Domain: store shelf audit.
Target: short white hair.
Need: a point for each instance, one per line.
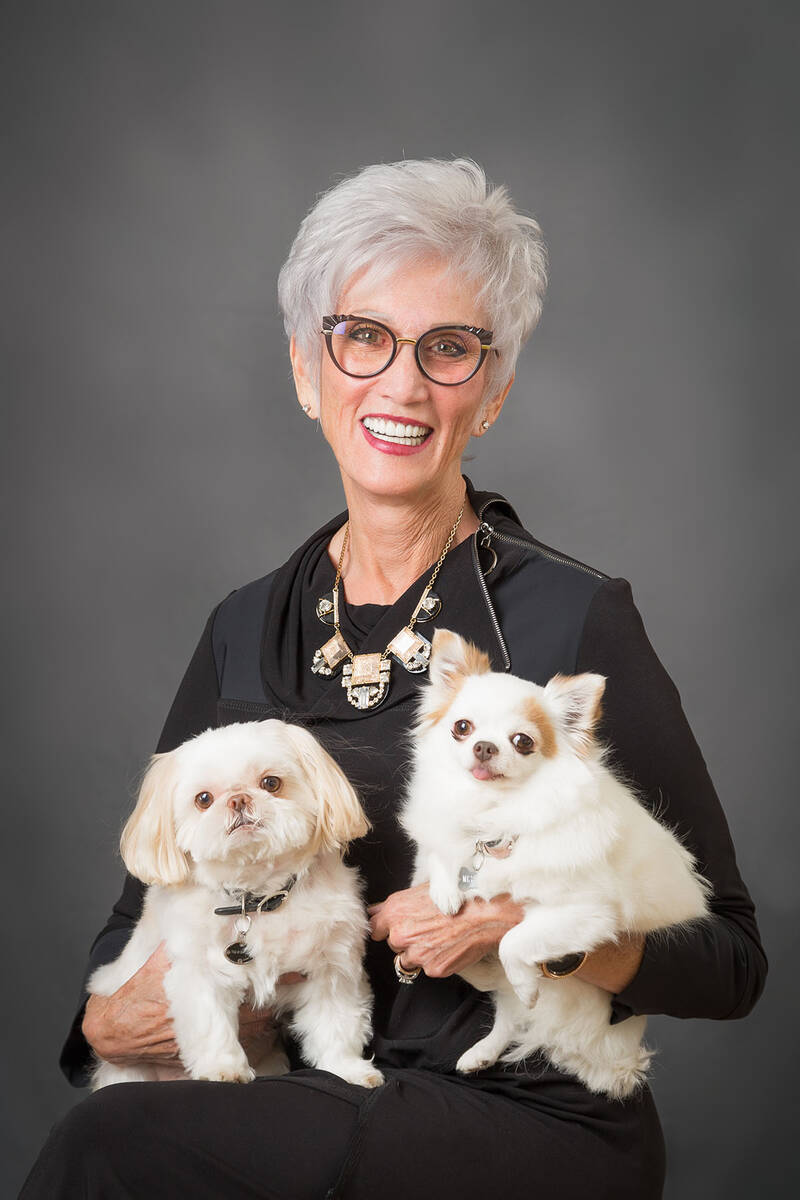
(392, 214)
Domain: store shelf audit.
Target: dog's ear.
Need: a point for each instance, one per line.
(575, 701)
(340, 817)
(148, 844)
(453, 659)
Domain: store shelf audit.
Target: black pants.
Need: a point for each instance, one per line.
(309, 1135)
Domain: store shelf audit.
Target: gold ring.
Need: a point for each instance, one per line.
(405, 974)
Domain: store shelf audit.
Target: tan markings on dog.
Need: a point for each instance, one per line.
(476, 661)
(434, 715)
(537, 716)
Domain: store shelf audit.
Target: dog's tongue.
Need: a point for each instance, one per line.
(482, 773)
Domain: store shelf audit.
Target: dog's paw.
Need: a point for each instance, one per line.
(447, 899)
(526, 985)
(361, 1072)
(477, 1058)
(225, 1069)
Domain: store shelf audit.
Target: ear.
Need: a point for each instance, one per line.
(340, 817)
(148, 845)
(453, 659)
(307, 396)
(493, 406)
(575, 703)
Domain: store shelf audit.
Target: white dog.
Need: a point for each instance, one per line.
(510, 793)
(240, 833)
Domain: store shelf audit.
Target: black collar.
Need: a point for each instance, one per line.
(249, 902)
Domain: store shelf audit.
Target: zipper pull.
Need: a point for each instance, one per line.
(486, 544)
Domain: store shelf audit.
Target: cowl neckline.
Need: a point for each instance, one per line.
(293, 632)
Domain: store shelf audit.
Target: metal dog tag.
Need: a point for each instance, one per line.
(237, 952)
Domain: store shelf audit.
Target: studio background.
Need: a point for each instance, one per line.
(158, 160)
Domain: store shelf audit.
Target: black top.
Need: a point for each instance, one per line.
(536, 613)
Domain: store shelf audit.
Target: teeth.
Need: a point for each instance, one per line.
(411, 435)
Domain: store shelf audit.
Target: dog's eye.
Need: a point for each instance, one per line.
(270, 783)
(523, 744)
(462, 729)
(204, 800)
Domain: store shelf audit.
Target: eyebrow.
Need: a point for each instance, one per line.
(376, 316)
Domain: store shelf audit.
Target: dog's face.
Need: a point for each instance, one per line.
(499, 729)
(240, 794)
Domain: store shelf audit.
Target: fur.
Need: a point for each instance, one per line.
(589, 862)
(280, 806)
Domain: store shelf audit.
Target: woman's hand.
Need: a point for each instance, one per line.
(424, 937)
(134, 1026)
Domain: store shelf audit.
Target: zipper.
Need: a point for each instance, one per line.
(489, 532)
(487, 599)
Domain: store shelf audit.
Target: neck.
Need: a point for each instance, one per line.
(394, 539)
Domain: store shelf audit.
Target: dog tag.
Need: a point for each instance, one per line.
(466, 879)
(237, 952)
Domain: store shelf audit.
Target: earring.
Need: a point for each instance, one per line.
(307, 409)
(484, 425)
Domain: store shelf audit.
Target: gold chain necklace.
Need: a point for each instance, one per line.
(366, 677)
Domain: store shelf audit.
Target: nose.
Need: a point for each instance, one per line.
(237, 803)
(484, 751)
(403, 380)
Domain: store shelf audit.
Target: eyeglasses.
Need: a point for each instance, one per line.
(446, 354)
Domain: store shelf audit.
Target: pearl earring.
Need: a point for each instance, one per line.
(484, 425)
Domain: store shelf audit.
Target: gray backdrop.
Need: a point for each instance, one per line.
(157, 161)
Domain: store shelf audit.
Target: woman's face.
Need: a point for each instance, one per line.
(410, 302)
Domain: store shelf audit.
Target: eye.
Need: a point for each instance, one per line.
(367, 335)
(447, 345)
(462, 729)
(203, 800)
(523, 744)
(270, 783)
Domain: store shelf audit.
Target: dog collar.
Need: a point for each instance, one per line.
(249, 902)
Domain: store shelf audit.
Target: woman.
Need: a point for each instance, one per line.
(407, 295)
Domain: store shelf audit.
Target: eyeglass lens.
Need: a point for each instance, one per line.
(362, 347)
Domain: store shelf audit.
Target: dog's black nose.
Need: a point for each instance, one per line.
(484, 750)
(237, 803)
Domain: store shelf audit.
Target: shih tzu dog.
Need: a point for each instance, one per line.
(510, 792)
(240, 834)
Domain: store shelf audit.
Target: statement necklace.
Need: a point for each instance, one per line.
(366, 677)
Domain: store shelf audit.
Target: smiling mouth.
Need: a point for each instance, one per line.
(396, 432)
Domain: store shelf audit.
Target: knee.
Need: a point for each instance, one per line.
(80, 1147)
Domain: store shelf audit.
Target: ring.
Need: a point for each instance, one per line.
(405, 975)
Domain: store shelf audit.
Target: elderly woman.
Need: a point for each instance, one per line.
(407, 294)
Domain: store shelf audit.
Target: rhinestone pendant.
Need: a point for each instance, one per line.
(366, 679)
(328, 657)
(411, 649)
(325, 610)
(429, 608)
